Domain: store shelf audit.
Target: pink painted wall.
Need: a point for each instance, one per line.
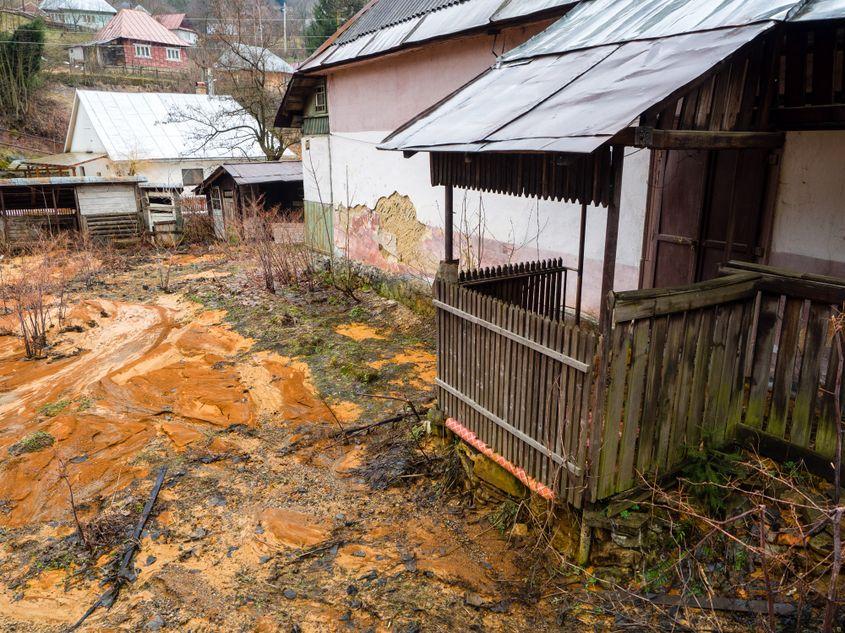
(385, 92)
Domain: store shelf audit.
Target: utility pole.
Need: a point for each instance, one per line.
(285, 26)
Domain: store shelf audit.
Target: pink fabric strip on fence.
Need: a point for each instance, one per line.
(470, 438)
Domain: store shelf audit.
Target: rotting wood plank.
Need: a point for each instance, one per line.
(680, 432)
(825, 443)
(808, 381)
(703, 349)
(613, 417)
(758, 394)
(633, 404)
(668, 391)
(717, 359)
(785, 367)
(649, 428)
(732, 364)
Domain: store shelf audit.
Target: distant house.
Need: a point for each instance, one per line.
(134, 39)
(84, 14)
(276, 186)
(175, 23)
(245, 58)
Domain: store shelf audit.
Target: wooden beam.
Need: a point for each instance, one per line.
(827, 117)
(611, 232)
(697, 139)
(581, 239)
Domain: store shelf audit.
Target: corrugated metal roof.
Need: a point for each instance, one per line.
(69, 180)
(245, 57)
(167, 126)
(600, 22)
(92, 6)
(137, 25)
(255, 172)
(593, 73)
(391, 24)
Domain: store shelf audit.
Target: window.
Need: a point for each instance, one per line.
(143, 50)
(173, 55)
(320, 106)
(191, 176)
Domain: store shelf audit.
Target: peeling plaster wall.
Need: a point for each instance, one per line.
(809, 223)
(395, 219)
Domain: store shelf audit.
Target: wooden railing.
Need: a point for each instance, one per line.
(539, 287)
(519, 379)
(699, 365)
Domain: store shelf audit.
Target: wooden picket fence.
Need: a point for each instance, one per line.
(703, 365)
(519, 380)
(590, 415)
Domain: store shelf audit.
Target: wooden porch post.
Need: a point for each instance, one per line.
(611, 234)
(581, 239)
(449, 206)
(449, 266)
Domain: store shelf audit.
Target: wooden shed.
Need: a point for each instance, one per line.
(275, 186)
(104, 208)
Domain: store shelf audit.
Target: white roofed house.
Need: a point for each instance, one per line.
(243, 58)
(173, 140)
(83, 14)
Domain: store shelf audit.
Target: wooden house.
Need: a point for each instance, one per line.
(719, 332)
(275, 186)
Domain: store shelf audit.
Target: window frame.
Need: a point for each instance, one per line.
(173, 50)
(141, 47)
(321, 99)
(197, 172)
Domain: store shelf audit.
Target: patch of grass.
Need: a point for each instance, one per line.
(32, 443)
(52, 409)
(84, 403)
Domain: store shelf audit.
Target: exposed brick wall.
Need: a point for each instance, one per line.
(158, 59)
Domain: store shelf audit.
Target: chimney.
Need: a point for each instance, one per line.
(202, 88)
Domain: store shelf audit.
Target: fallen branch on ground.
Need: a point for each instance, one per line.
(123, 575)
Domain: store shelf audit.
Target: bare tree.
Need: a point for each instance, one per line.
(238, 55)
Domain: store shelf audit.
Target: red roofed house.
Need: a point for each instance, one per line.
(176, 24)
(134, 38)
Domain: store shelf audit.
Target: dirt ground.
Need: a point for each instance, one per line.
(268, 519)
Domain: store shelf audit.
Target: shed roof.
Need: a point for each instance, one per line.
(245, 57)
(590, 75)
(132, 24)
(255, 173)
(65, 159)
(166, 126)
(388, 25)
(90, 6)
(69, 180)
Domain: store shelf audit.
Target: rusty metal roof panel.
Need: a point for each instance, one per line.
(600, 22)
(572, 102)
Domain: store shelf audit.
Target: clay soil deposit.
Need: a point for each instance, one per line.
(268, 520)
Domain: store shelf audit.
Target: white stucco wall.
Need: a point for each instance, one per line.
(361, 175)
(809, 222)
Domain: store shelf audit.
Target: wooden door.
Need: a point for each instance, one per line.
(217, 213)
(705, 208)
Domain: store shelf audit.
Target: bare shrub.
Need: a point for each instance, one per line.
(197, 228)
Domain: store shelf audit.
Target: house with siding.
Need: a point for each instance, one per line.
(410, 55)
(89, 15)
(133, 38)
